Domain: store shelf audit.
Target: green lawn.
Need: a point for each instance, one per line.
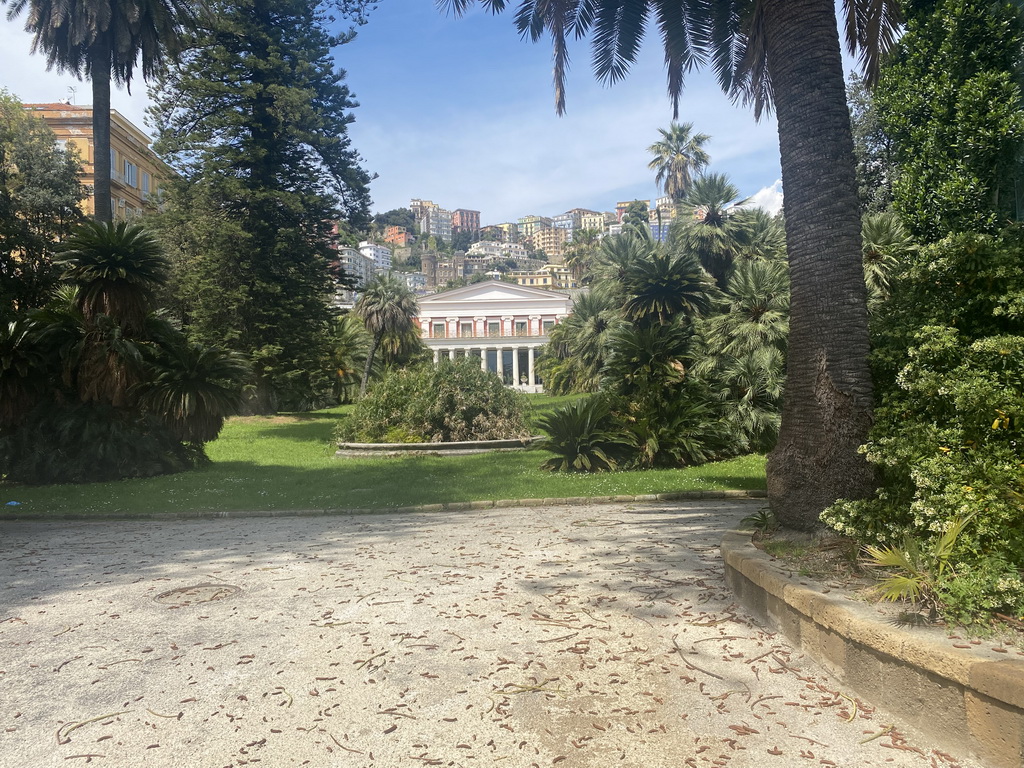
(287, 462)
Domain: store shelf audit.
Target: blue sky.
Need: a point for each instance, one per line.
(461, 111)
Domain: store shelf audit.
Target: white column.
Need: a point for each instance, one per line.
(515, 366)
(426, 326)
(530, 373)
(506, 325)
(501, 363)
(437, 355)
(451, 353)
(535, 327)
(483, 359)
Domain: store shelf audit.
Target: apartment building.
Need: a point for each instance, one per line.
(397, 236)
(136, 173)
(552, 241)
(379, 254)
(527, 225)
(598, 222)
(552, 277)
(464, 220)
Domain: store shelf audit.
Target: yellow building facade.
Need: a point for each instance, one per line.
(136, 173)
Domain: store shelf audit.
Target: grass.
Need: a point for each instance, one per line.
(287, 462)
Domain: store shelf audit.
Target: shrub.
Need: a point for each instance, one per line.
(85, 443)
(584, 438)
(947, 438)
(450, 401)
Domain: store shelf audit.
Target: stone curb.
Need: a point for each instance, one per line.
(964, 698)
(457, 506)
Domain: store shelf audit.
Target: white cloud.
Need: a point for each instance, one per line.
(769, 198)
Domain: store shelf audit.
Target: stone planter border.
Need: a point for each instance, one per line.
(964, 698)
(460, 448)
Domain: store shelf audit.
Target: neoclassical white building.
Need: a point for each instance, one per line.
(502, 324)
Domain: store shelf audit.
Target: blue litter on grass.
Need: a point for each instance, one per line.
(13, 504)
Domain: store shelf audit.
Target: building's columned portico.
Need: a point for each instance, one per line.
(501, 324)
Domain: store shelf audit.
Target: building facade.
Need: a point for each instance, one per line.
(397, 236)
(465, 221)
(500, 324)
(380, 255)
(136, 173)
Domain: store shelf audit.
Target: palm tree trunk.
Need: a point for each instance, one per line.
(828, 401)
(374, 343)
(99, 55)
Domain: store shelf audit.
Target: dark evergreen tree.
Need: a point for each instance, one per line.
(255, 118)
(39, 195)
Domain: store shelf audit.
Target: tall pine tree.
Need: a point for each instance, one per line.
(254, 117)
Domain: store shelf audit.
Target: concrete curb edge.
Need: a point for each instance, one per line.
(457, 506)
(964, 699)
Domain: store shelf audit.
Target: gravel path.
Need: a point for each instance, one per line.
(548, 636)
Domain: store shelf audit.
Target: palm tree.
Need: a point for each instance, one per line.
(886, 239)
(574, 356)
(117, 269)
(712, 225)
(103, 40)
(678, 157)
(387, 307)
(664, 286)
(191, 387)
(579, 254)
(781, 54)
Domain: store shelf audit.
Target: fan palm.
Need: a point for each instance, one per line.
(781, 54)
(103, 40)
(678, 157)
(712, 225)
(192, 388)
(117, 268)
(886, 239)
(574, 356)
(386, 307)
(663, 286)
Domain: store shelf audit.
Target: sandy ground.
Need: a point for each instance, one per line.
(556, 636)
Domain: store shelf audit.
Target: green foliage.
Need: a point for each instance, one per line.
(254, 118)
(917, 572)
(584, 437)
(450, 401)
(191, 388)
(678, 157)
(90, 391)
(947, 438)
(39, 196)
(387, 307)
(950, 102)
(872, 148)
(762, 521)
(86, 443)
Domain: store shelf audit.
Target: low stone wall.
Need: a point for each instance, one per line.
(962, 697)
(455, 448)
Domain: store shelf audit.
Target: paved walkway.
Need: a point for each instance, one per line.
(553, 636)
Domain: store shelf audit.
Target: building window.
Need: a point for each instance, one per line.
(520, 328)
(548, 325)
(131, 174)
(494, 329)
(146, 182)
(439, 331)
(467, 330)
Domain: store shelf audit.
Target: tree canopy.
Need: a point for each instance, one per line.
(255, 117)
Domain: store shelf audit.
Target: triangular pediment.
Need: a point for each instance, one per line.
(495, 297)
(494, 290)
